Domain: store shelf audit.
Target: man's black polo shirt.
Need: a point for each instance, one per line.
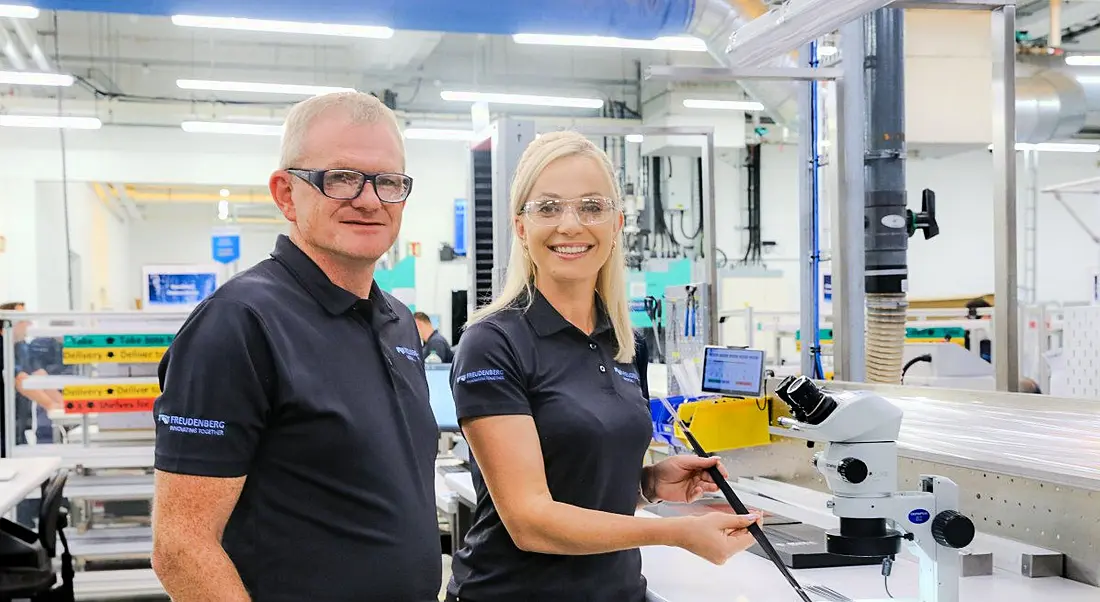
(319, 397)
(594, 427)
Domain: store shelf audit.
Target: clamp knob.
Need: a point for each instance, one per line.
(952, 529)
(852, 470)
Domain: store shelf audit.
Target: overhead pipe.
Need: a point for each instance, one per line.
(714, 22)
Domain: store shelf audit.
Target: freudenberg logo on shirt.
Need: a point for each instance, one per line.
(480, 376)
(410, 354)
(631, 377)
(192, 426)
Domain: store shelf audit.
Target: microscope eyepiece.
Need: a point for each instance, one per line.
(808, 403)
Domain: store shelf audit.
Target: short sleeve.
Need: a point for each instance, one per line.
(486, 376)
(216, 381)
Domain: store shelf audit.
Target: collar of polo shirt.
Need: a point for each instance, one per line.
(547, 321)
(334, 299)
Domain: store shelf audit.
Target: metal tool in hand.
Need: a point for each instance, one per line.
(735, 503)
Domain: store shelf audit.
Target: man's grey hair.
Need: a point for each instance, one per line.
(359, 108)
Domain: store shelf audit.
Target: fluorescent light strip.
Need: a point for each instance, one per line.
(522, 99)
(16, 11)
(28, 78)
(438, 134)
(50, 121)
(228, 127)
(1083, 60)
(635, 138)
(682, 43)
(1057, 147)
(322, 29)
(258, 87)
(724, 105)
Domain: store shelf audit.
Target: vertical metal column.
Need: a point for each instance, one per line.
(1006, 327)
(807, 303)
(710, 242)
(848, 248)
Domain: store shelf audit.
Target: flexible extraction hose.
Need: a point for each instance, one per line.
(885, 337)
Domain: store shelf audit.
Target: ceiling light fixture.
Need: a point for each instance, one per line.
(322, 29)
(50, 121)
(635, 138)
(723, 105)
(1057, 147)
(1083, 60)
(438, 134)
(16, 11)
(229, 127)
(29, 78)
(682, 43)
(258, 87)
(522, 99)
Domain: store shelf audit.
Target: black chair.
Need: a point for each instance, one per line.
(26, 557)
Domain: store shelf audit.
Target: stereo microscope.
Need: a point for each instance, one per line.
(859, 462)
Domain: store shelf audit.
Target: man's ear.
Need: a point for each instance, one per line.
(280, 187)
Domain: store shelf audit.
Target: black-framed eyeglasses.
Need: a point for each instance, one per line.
(347, 184)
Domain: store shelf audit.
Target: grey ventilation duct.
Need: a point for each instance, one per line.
(1053, 105)
(713, 21)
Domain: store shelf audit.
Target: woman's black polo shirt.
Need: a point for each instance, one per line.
(594, 427)
(320, 398)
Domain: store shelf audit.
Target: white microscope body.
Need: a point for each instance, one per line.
(859, 463)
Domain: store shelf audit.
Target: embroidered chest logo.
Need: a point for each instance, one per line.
(410, 354)
(631, 377)
(480, 376)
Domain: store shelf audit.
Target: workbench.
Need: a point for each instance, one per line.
(30, 474)
(675, 575)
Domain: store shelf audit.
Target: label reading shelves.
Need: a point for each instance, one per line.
(84, 399)
(119, 355)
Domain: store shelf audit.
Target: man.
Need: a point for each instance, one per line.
(31, 405)
(295, 443)
(431, 341)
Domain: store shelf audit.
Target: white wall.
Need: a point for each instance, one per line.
(958, 263)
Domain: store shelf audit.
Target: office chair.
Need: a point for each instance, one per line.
(26, 557)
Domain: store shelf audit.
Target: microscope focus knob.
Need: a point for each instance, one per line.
(852, 470)
(952, 529)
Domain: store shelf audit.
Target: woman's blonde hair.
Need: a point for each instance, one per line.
(611, 281)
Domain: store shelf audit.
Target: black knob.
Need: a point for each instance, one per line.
(952, 529)
(852, 470)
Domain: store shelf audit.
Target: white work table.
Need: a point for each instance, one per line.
(30, 473)
(675, 575)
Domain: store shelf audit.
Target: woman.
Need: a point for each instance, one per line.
(550, 404)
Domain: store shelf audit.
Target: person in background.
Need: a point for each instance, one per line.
(550, 402)
(974, 305)
(431, 340)
(32, 406)
(295, 446)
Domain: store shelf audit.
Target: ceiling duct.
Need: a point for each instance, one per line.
(714, 21)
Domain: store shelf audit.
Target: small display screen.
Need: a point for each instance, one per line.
(738, 372)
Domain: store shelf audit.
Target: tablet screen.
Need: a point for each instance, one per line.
(737, 372)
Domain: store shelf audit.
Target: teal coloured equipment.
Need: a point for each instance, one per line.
(659, 275)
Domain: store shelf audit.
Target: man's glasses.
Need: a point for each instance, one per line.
(347, 184)
(589, 211)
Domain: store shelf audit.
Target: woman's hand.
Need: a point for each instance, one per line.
(716, 536)
(680, 478)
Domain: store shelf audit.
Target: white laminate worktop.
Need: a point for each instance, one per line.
(30, 473)
(675, 575)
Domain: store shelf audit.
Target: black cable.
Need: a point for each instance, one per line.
(920, 358)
